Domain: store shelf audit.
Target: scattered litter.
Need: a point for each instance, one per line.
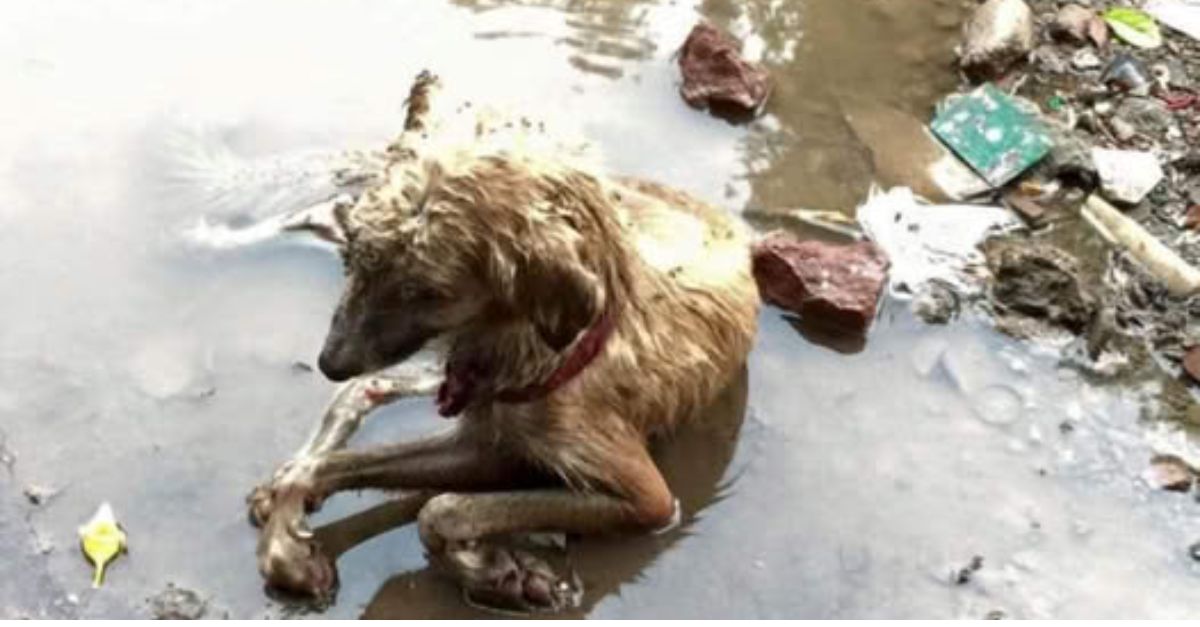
(1027, 208)
(1127, 74)
(102, 539)
(38, 494)
(1179, 101)
(931, 242)
(1085, 59)
(963, 576)
(831, 221)
(1180, 278)
(830, 285)
(716, 76)
(1126, 176)
(177, 604)
(990, 132)
(1169, 472)
(1134, 26)
(1194, 551)
(1182, 15)
(1191, 219)
(1191, 363)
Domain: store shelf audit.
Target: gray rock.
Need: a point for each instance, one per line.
(1149, 115)
(1122, 130)
(1070, 158)
(1048, 59)
(998, 35)
(1086, 60)
(1035, 287)
(1071, 24)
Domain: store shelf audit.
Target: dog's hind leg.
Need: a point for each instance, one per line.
(348, 409)
(459, 530)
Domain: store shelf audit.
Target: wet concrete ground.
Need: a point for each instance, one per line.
(161, 378)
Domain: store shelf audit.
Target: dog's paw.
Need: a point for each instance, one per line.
(291, 561)
(293, 480)
(505, 580)
(259, 504)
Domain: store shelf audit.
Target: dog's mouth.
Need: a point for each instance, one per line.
(338, 363)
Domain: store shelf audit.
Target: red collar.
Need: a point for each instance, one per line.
(463, 376)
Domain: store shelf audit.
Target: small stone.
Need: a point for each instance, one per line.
(1098, 31)
(1038, 283)
(1071, 24)
(1048, 59)
(832, 285)
(963, 576)
(1191, 219)
(716, 76)
(1149, 115)
(1085, 59)
(1191, 363)
(936, 303)
(1169, 472)
(1122, 130)
(177, 604)
(1194, 551)
(998, 35)
(1027, 208)
(1125, 73)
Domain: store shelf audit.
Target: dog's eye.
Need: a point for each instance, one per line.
(415, 293)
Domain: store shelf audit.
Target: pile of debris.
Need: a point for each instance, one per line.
(1083, 117)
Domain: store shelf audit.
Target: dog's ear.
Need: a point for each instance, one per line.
(560, 297)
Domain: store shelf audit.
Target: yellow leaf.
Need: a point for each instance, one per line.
(101, 540)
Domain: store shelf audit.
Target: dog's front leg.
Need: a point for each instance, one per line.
(288, 554)
(350, 406)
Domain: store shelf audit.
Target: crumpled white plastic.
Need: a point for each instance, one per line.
(926, 243)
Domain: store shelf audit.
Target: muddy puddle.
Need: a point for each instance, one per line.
(865, 481)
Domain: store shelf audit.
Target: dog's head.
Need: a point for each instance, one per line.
(430, 253)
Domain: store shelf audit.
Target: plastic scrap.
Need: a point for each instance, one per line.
(1127, 176)
(1181, 278)
(990, 132)
(1182, 15)
(1134, 26)
(927, 243)
(102, 539)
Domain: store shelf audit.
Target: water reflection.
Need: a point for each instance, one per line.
(602, 36)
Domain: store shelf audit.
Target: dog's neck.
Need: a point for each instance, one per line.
(472, 378)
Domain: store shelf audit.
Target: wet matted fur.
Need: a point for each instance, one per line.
(510, 261)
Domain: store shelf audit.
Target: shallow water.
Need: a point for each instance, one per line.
(161, 378)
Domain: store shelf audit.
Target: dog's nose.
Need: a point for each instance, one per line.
(333, 369)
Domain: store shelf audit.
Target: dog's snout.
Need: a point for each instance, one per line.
(333, 368)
